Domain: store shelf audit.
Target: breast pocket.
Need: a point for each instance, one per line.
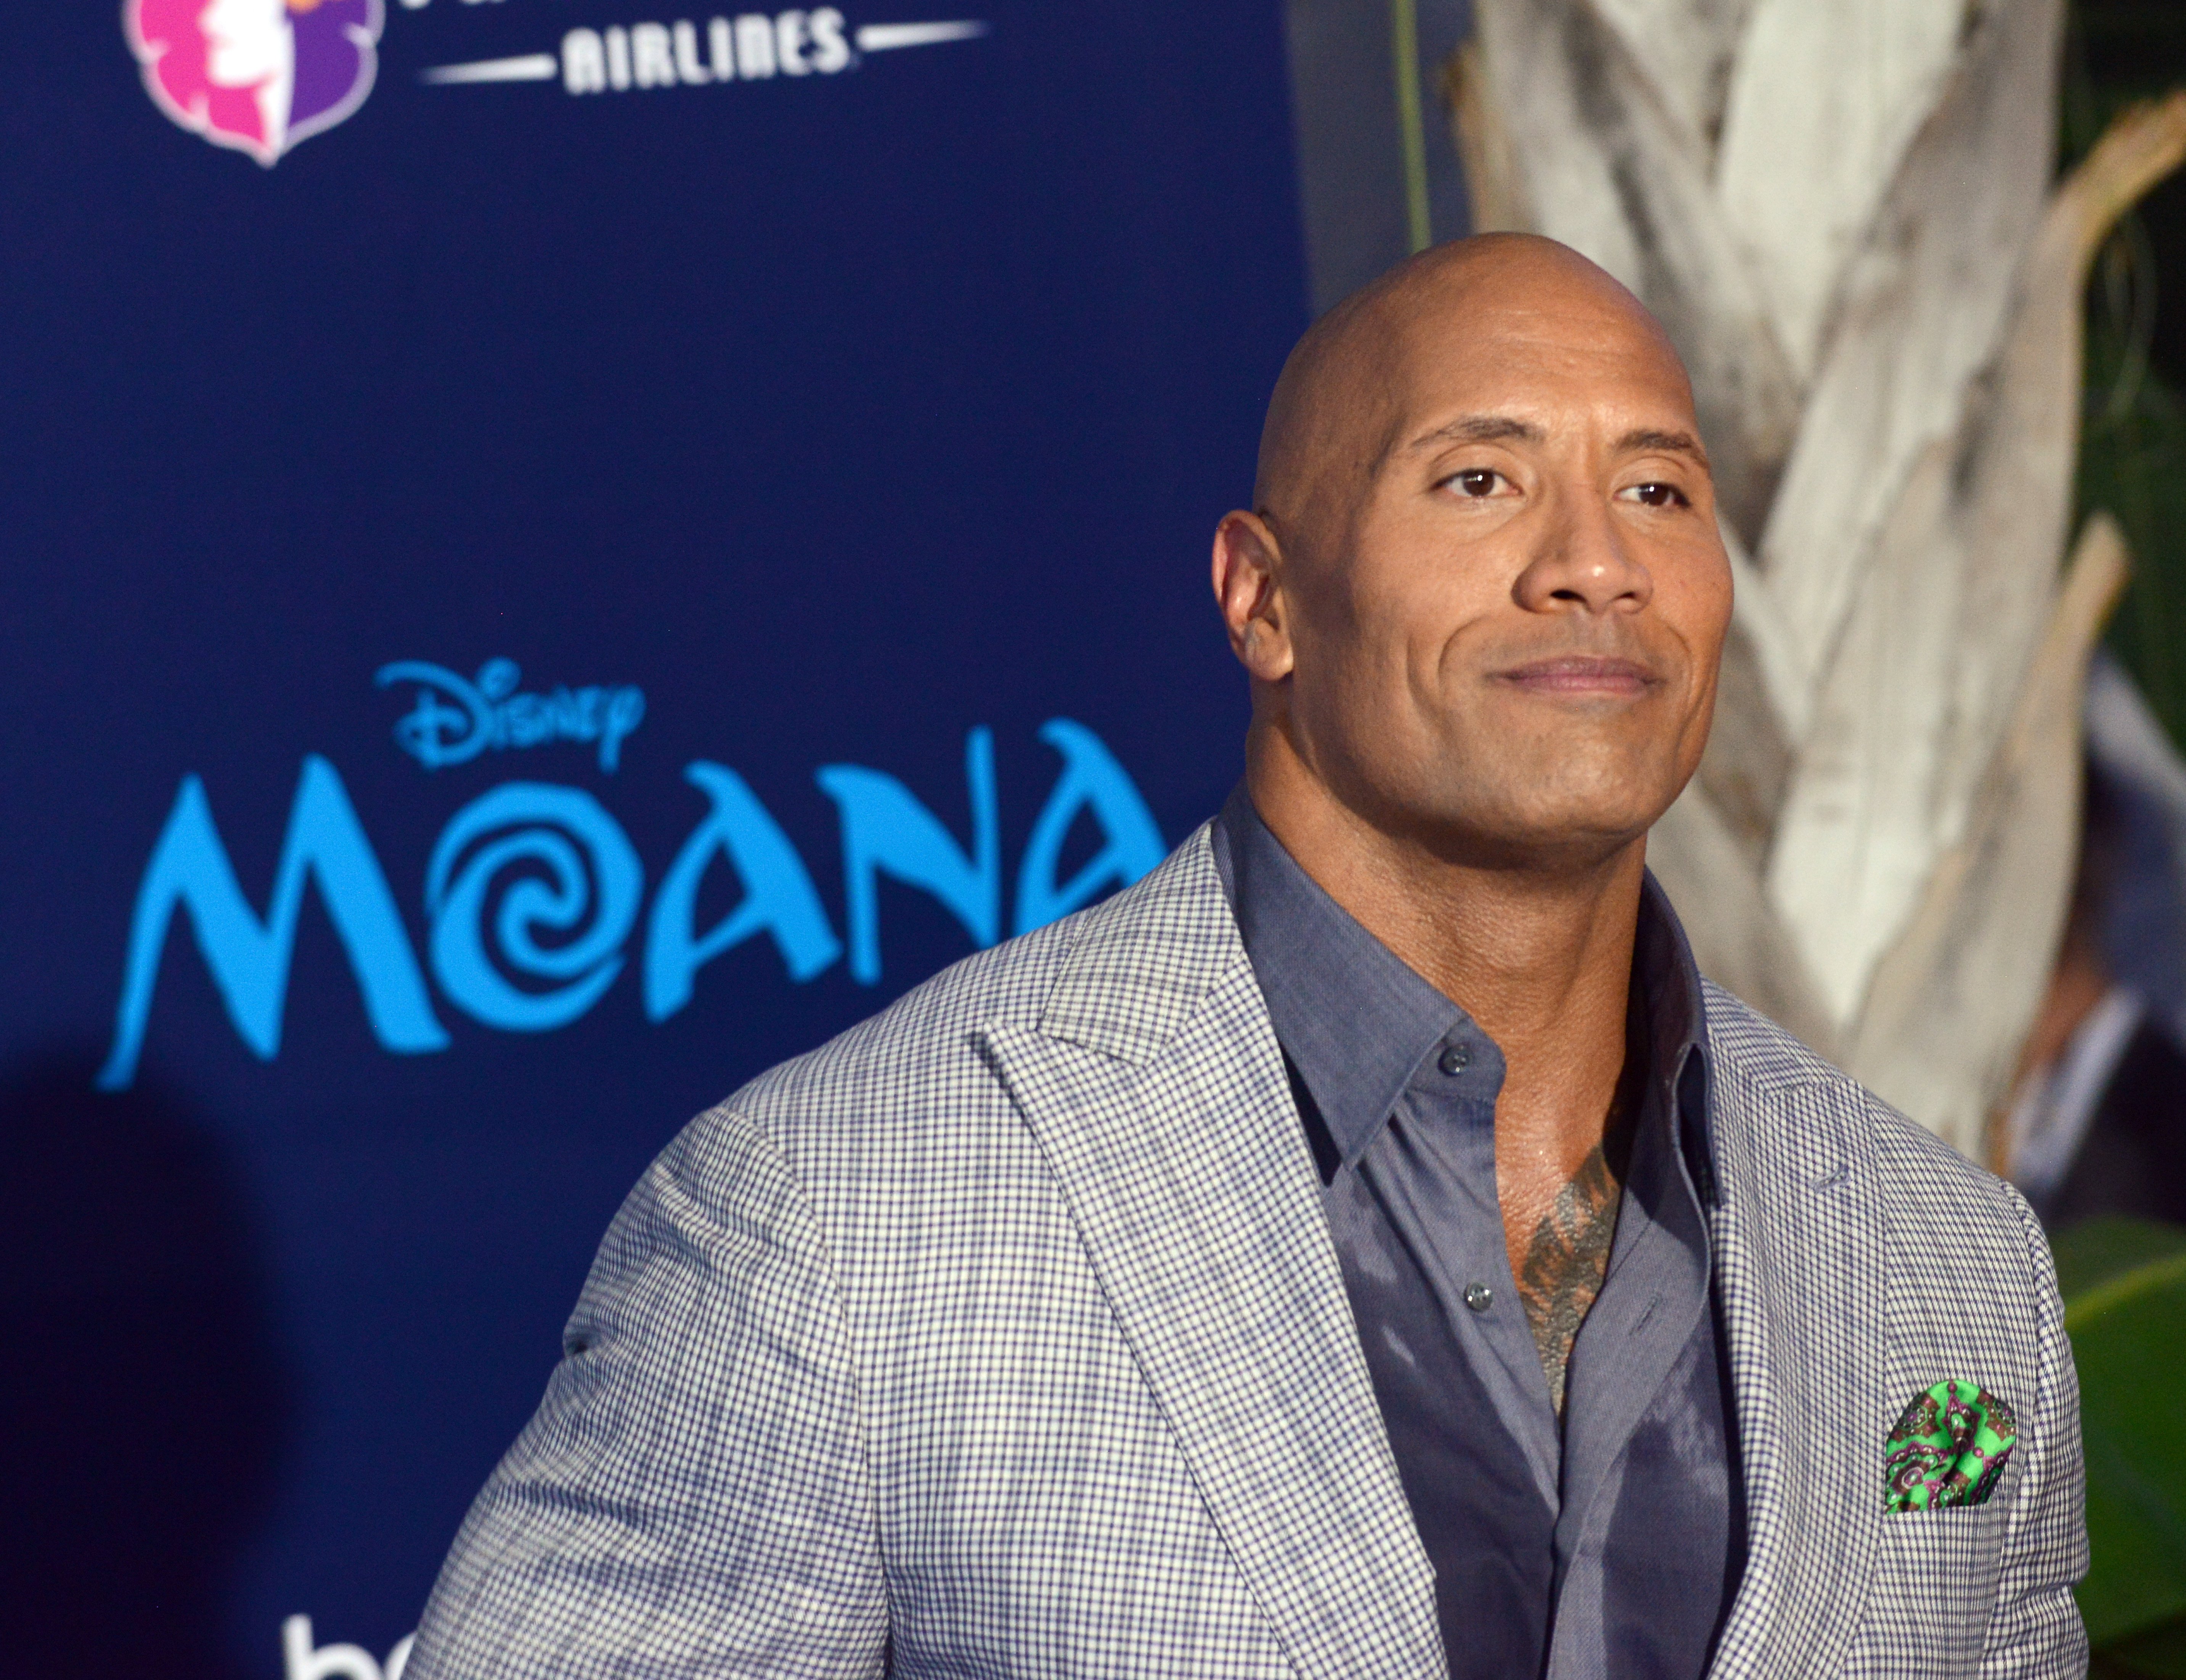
(1935, 1588)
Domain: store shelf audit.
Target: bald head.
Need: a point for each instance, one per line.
(1339, 402)
(1481, 591)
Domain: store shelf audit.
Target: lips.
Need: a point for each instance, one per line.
(1581, 675)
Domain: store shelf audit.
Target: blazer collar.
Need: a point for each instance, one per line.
(1154, 1087)
(1801, 1253)
(1211, 1245)
(1145, 961)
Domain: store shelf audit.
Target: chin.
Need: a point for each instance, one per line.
(1564, 819)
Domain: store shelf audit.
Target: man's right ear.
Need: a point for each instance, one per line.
(1248, 589)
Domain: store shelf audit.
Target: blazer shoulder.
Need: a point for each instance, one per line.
(905, 1045)
(923, 1048)
(1740, 1037)
(1792, 1100)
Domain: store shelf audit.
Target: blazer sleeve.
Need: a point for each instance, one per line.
(693, 1497)
(2035, 1630)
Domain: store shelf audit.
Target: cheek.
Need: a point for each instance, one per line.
(1412, 611)
(1693, 604)
(1377, 639)
(1700, 593)
(1358, 675)
(1394, 667)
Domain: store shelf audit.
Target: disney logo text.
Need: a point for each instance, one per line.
(455, 719)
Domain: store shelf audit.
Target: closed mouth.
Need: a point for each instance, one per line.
(1581, 675)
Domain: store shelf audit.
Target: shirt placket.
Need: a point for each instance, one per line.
(1433, 1171)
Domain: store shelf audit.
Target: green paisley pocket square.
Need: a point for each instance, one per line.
(1948, 1449)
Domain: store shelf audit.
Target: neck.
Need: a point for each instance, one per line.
(1538, 954)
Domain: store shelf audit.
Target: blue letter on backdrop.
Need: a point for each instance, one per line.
(1092, 782)
(778, 896)
(580, 875)
(885, 830)
(250, 958)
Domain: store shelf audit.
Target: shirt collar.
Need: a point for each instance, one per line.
(1356, 1021)
(1667, 983)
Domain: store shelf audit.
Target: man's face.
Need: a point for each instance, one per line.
(1504, 619)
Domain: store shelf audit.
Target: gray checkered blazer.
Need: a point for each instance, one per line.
(1003, 1336)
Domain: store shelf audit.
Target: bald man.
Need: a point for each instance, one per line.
(1366, 1246)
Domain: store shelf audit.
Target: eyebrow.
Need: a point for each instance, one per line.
(1479, 429)
(1645, 441)
(1503, 428)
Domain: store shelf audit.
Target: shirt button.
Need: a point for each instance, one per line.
(1454, 1060)
(1479, 1297)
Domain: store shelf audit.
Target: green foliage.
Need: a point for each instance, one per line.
(2133, 437)
(2125, 1280)
(2125, 1308)
(2093, 1252)
(2133, 463)
(2159, 1652)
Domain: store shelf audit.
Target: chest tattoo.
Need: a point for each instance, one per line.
(1564, 1263)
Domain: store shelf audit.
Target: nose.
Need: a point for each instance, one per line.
(1581, 561)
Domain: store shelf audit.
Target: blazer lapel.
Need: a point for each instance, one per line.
(1800, 1256)
(1155, 1088)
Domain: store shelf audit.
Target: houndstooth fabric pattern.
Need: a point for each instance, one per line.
(1003, 1336)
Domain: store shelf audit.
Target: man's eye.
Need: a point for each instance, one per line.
(1657, 496)
(1476, 481)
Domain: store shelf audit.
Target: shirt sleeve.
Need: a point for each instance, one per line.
(2035, 1630)
(693, 1497)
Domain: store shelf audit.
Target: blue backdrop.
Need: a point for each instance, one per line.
(523, 610)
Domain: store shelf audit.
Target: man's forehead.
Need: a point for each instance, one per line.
(1480, 333)
(1468, 376)
(1499, 331)
(1529, 285)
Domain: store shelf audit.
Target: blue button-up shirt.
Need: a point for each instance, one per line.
(1606, 1542)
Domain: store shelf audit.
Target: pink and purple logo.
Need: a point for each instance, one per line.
(257, 75)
